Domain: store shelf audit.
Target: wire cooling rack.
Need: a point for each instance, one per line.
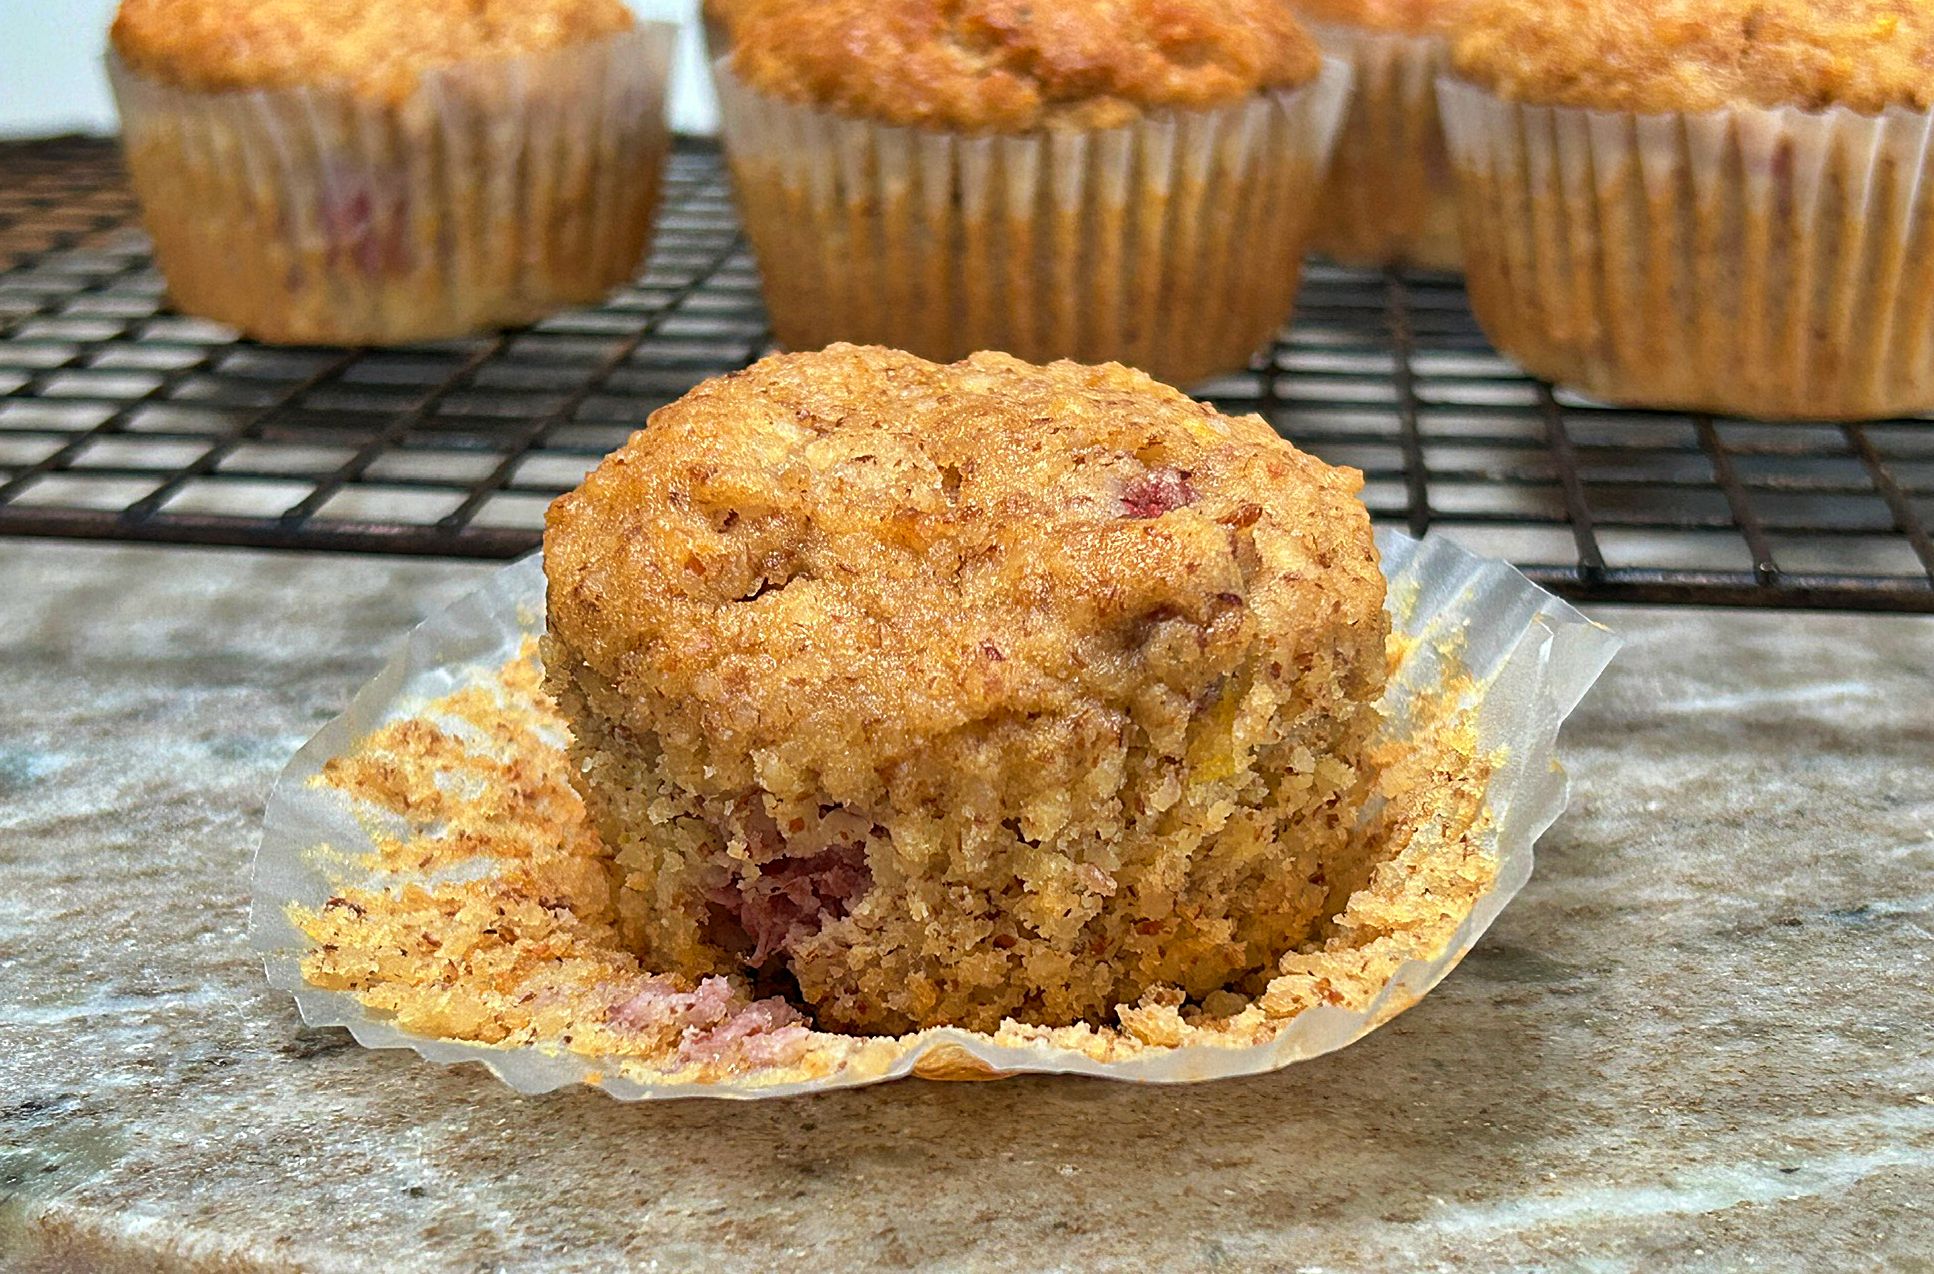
(121, 420)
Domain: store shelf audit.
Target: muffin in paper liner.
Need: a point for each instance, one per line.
(1173, 244)
(411, 925)
(1390, 198)
(497, 192)
(1765, 262)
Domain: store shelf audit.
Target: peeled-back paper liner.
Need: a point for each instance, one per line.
(1391, 198)
(1530, 656)
(494, 193)
(1757, 262)
(1173, 244)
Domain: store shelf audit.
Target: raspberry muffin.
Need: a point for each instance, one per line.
(1125, 180)
(1713, 205)
(958, 693)
(327, 172)
(1390, 199)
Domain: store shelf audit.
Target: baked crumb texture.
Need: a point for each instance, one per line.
(1663, 56)
(1390, 198)
(1754, 262)
(377, 49)
(1002, 66)
(969, 692)
(1173, 243)
(483, 914)
(496, 192)
(1396, 17)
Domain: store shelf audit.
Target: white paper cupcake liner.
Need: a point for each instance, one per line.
(1173, 244)
(1769, 263)
(1530, 658)
(493, 194)
(1390, 198)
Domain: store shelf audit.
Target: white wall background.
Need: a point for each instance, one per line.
(51, 80)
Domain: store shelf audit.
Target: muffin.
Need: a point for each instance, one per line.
(1125, 180)
(1711, 205)
(382, 171)
(954, 693)
(1390, 198)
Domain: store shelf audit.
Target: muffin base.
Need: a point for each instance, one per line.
(423, 962)
(1391, 198)
(491, 196)
(1174, 244)
(1200, 870)
(1760, 263)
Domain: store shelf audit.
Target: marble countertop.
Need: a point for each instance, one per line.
(1701, 1036)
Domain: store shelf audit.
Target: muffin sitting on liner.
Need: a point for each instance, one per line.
(965, 692)
(382, 171)
(1093, 179)
(1715, 205)
(1390, 199)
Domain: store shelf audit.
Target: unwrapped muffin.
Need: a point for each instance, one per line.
(1390, 198)
(963, 692)
(381, 171)
(1094, 179)
(1715, 205)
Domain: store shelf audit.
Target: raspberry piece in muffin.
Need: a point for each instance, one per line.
(966, 692)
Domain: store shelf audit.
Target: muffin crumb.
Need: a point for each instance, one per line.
(519, 950)
(965, 692)
(1007, 66)
(1407, 17)
(1656, 56)
(377, 48)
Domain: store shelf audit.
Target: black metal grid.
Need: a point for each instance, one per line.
(120, 420)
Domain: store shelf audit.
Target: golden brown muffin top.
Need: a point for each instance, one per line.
(1408, 17)
(378, 48)
(1015, 65)
(851, 554)
(1653, 56)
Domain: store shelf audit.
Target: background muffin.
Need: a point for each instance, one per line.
(970, 691)
(1713, 205)
(1096, 179)
(376, 171)
(1390, 198)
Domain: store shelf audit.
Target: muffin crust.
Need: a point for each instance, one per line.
(377, 48)
(1407, 17)
(1657, 56)
(1012, 66)
(967, 692)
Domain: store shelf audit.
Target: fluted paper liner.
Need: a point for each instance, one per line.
(1173, 244)
(1772, 263)
(496, 192)
(1390, 198)
(1528, 657)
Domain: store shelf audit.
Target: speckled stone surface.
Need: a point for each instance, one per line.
(1701, 1036)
